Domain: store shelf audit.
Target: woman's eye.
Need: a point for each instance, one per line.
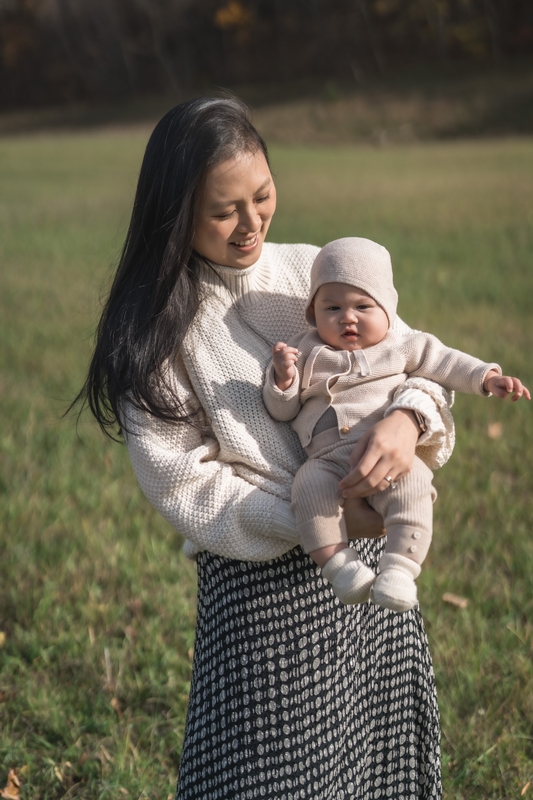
(263, 199)
(225, 216)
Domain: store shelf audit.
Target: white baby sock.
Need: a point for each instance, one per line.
(350, 578)
(395, 586)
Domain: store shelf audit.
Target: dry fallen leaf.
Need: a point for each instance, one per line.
(455, 600)
(115, 705)
(12, 790)
(131, 633)
(525, 788)
(135, 606)
(494, 430)
(2, 638)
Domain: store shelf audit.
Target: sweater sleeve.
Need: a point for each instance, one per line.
(428, 398)
(428, 357)
(282, 406)
(179, 471)
(285, 406)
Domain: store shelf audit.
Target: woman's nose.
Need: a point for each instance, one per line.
(249, 220)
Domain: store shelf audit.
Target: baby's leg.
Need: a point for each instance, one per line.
(316, 504)
(408, 515)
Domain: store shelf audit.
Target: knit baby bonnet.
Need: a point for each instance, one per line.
(357, 262)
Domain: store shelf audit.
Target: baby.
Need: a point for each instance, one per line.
(334, 383)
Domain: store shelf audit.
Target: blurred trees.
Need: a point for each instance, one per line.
(54, 51)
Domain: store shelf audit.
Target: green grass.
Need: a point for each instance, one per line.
(96, 601)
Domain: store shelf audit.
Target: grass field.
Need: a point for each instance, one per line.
(97, 604)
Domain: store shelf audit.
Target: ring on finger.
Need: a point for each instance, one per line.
(391, 482)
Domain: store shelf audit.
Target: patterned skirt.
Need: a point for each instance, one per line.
(296, 696)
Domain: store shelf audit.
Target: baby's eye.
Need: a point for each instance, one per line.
(363, 307)
(333, 308)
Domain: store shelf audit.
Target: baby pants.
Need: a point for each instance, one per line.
(406, 509)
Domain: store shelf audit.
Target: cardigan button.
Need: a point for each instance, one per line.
(345, 429)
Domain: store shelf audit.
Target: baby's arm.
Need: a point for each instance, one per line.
(504, 385)
(284, 359)
(281, 390)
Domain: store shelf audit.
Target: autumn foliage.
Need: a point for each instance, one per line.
(54, 51)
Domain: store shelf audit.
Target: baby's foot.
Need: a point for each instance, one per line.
(350, 578)
(395, 586)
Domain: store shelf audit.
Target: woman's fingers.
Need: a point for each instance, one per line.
(353, 485)
(385, 451)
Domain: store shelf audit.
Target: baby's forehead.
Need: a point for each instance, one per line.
(330, 291)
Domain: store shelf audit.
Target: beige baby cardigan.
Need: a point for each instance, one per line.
(360, 385)
(228, 491)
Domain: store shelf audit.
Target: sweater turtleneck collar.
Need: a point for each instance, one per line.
(240, 284)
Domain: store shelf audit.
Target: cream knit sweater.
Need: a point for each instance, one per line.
(229, 491)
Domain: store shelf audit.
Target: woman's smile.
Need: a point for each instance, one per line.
(247, 244)
(234, 211)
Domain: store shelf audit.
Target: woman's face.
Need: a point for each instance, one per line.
(234, 211)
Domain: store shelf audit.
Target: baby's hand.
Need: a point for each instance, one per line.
(503, 385)
(284, 358)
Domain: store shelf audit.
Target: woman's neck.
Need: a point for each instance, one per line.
(239, 283)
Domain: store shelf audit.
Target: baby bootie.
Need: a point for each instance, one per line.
(395, 586)
(350, 578)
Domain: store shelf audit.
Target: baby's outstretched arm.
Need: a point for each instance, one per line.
(284, 358)
(504, 385)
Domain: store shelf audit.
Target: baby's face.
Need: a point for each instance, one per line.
(347, 318)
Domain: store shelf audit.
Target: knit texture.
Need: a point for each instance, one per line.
(359, 384)
(357, 262)
(228, 490)
(395, 586)
(406, 509)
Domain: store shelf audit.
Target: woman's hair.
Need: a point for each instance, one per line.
(155, 293)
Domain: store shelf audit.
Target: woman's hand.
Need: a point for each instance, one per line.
(385, 451)
(362, 522)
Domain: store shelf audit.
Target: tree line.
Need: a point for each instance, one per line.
(57, 51)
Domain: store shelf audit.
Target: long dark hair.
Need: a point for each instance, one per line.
(155, 293)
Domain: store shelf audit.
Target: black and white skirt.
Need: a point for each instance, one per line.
(296, 696)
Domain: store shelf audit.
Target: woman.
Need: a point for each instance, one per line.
(293, 696)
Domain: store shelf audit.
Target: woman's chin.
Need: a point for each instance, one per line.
(241, 257)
